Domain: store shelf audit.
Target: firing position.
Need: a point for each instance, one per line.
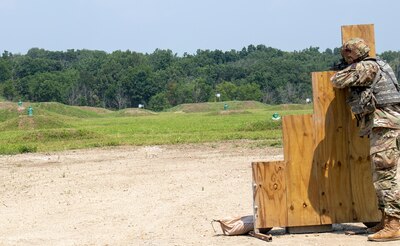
(374, 99)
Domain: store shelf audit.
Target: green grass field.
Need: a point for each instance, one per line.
(55, 126)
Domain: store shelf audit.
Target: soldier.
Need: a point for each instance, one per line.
(374, 99)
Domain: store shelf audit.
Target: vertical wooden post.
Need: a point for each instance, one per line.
(363, 193)
(331, 153)
(269, 190)
(365, 32)
(342, 157)
(301, 175)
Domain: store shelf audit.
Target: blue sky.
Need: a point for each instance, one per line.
(188, 25)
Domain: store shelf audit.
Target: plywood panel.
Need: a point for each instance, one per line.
(331, 152)
(302, 186)
(363, 193)
(364, 199)
(365, 32)
(269, 190)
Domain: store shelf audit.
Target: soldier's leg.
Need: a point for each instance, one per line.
(384, 160)
(387, 189)
(385, 157)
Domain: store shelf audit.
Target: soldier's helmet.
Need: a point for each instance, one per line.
(354, 50)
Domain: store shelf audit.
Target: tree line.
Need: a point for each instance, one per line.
(162, 79)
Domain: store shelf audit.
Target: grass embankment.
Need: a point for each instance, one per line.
(55, 126)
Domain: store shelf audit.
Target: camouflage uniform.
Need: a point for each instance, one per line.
(383, 127)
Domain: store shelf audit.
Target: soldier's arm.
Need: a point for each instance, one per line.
(358, 74)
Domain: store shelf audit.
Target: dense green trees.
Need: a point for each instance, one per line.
(162, 79)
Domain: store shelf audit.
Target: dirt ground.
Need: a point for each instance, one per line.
(148, 195)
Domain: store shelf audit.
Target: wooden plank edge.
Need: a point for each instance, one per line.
(264, 237)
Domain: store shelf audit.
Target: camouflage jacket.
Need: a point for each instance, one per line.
(363, 74)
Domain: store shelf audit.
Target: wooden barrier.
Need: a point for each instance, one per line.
(271, 187)
(325, 176)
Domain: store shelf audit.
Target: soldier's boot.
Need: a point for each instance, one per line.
(390, 231)
(379, 226)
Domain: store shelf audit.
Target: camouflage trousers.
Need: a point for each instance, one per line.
(385, 156)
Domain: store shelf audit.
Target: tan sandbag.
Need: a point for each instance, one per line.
(236, 225)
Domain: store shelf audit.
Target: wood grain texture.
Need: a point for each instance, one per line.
(331, 152)
(363, 194)
(269, 191)
(365, 32)
(301, 175)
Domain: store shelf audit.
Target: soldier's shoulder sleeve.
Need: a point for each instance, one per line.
(366, 72)
(346, 77)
